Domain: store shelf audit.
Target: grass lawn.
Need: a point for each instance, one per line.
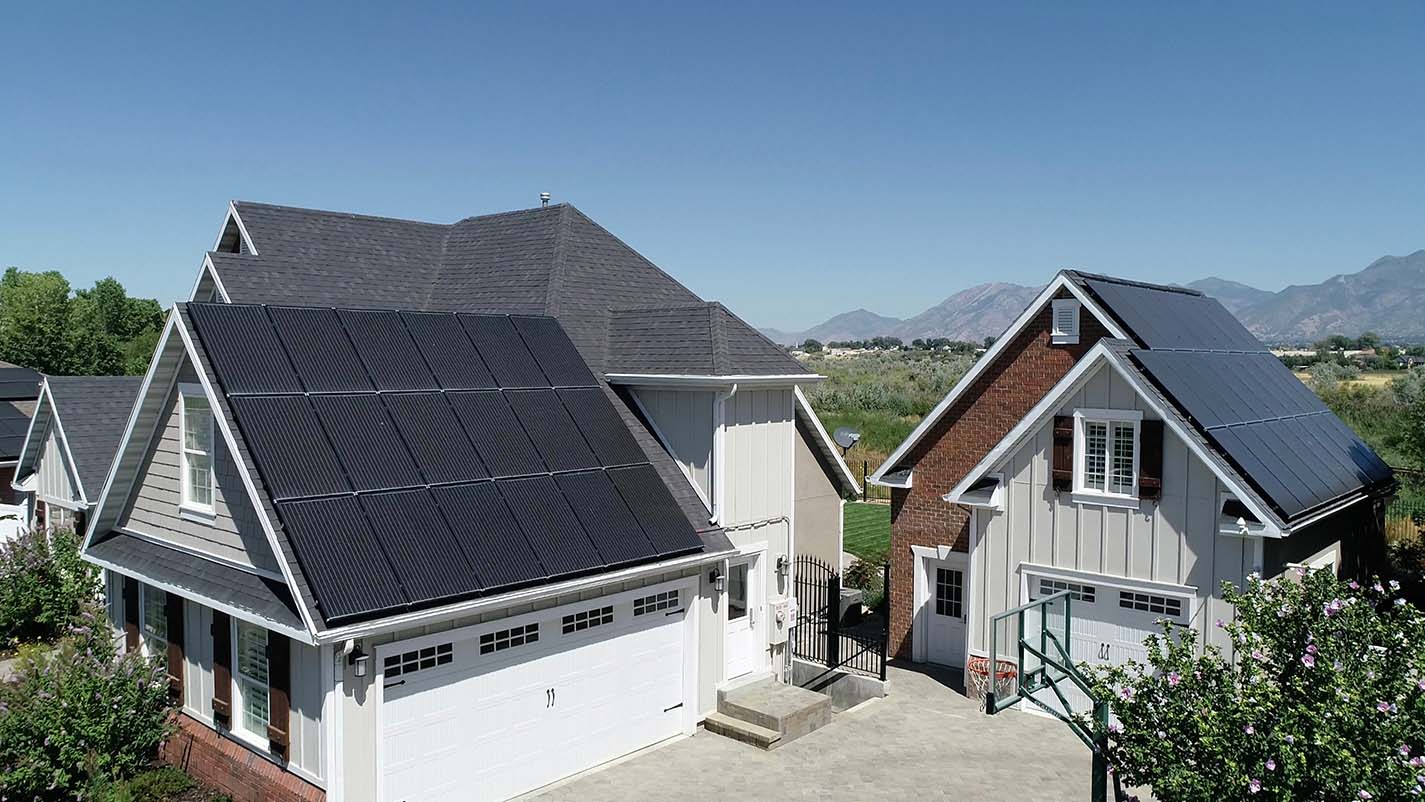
(867, 530)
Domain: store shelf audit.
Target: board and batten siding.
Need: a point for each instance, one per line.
(684, 419)
(818, 507)
(233, 534)
(1172, 540)
(54, 482)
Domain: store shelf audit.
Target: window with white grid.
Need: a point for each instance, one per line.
(418, 660)
(1077, 590)
(1107, 446)
(949, 592)
(667, 600)
(588, 619)
(508, 638)
(1150, 603)
(251, 679)
(196, 422)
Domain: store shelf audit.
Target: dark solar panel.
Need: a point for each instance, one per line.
(549, 425)
(610, 525)
(320, 350)
(497, 434)
(448, 351)
(388, 352)
(436, 440)
(1165, 319)
(18, 384)
(14, 425)
(504, 352)
(425, 556)
(558, 359)
(340, 557)
(1219, 389)
(663, 523)
(602, 427)
(294, 457)
(551, 528)
(366, 442)
(482, 523)
(244, 349)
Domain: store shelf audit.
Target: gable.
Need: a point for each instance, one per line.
(54, 478)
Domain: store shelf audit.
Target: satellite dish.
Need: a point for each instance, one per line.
(846, 437)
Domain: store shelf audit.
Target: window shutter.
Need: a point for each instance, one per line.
(222, 668)
(1063, 455)
(279, 692)
(173, 614)
(131, 614)
(1150, 461)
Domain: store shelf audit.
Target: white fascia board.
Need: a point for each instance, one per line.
(1060, 282)
(244, 470)
(209, 269)
(899, 479)
(711, 382)
(459, 610)
(1080, 375)
(826, 438)
(242, 229)
(64, 444)
(46, 399)
(153, 364)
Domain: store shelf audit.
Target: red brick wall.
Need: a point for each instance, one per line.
(1000, 397)
(233, 769)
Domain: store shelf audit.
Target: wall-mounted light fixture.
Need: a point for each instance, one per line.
(784, 565)
(359, 660)
(719, 582)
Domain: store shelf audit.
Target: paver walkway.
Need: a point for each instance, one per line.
(923, 742)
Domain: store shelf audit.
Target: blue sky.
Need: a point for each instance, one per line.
(792, 162)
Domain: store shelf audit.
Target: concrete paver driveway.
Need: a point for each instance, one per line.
(923, 742)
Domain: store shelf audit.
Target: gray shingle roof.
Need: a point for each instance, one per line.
(702, 339)
(552, 260)
(93, 411)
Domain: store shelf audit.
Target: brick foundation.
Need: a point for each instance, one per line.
(1020, 376)
(228, 766)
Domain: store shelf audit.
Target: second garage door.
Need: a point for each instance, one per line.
(504, 709)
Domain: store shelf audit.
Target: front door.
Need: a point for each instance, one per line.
(745, 651)
(946, 609)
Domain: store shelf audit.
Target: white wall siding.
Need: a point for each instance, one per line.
(53, 478)
(817, 507)
(234, 534)
(684, 419)
(758, 437)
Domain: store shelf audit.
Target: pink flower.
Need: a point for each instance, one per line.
(1174, 678)
(1291, 739)
(1114, 727)
(1420, 685)
(1383, 707)
(1221, 623)
(1405, 750)
(1364, 794)
(1353, 585)
(1271, 765)
(1377, 588)
(1308, 660)
(1259, 656)
(1255, 785)
(1126, 694)
(1250, 730)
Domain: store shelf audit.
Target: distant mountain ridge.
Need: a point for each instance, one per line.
(1387, 297)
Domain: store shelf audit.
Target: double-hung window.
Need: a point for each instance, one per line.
(250, 680)
(153, 604)
(196, 421)
(1106, 453)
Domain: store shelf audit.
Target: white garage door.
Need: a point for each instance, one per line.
(506, 708)
(1110, 622)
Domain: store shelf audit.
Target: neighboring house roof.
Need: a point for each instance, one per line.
(19, 387)
(17, 383)
(378, 436)
(90, 413)
(1253, 422)
(551, 260)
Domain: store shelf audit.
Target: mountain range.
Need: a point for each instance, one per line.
(1387, 297)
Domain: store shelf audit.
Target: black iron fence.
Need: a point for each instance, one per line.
(868, 490)
(835, 631)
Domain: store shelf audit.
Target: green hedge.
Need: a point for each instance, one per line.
(43, 585)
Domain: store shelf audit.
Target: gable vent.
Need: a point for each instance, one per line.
(1064, 329)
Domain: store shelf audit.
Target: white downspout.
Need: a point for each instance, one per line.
(719, 460)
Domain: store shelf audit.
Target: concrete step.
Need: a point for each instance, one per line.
(743, 731)
(787, 710)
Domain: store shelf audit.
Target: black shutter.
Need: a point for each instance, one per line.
(279, 692)
(222, 669)
(130, 592)
(173, 615)
(1063, 455)
(1150, 461)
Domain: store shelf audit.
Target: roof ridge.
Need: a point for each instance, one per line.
(719, 338)
(334, 213)
(555, 281)
(1147, 285)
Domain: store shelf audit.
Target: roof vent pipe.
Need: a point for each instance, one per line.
(544, 199)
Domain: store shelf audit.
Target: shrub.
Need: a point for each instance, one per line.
(43, 585)
(80, 716)
(155, 785)
(1324, 700)
(866, 576)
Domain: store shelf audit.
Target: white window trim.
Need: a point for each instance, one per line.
(148, 642)
(1086, 495)
(204, 512)
(238, 725)
(1059, 336)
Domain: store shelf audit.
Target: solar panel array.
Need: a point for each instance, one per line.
(421, 458)
(1166, 319)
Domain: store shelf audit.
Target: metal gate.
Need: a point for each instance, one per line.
(824, 636)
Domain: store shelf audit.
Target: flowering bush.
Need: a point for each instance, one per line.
(1324, 701)
(80, 716)
(43, 585)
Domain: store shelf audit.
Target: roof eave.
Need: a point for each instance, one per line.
(712, 380)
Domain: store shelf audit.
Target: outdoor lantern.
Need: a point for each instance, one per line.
(359, 660)
(784, 564)
(719, 582)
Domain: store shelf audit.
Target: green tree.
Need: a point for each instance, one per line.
(34, 319)
(1325, 699)
(812, 346)
(98, 331)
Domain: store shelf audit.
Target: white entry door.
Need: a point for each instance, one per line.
(947, 586)
(1108, 622)
(503, 711)
(744, 646)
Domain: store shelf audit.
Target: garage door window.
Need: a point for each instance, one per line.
(508, 638)
(1150, 603)
(667, 600)
(949, 592)
(1077, 591)
(251, 680)
(587, 619)
(417, 659)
